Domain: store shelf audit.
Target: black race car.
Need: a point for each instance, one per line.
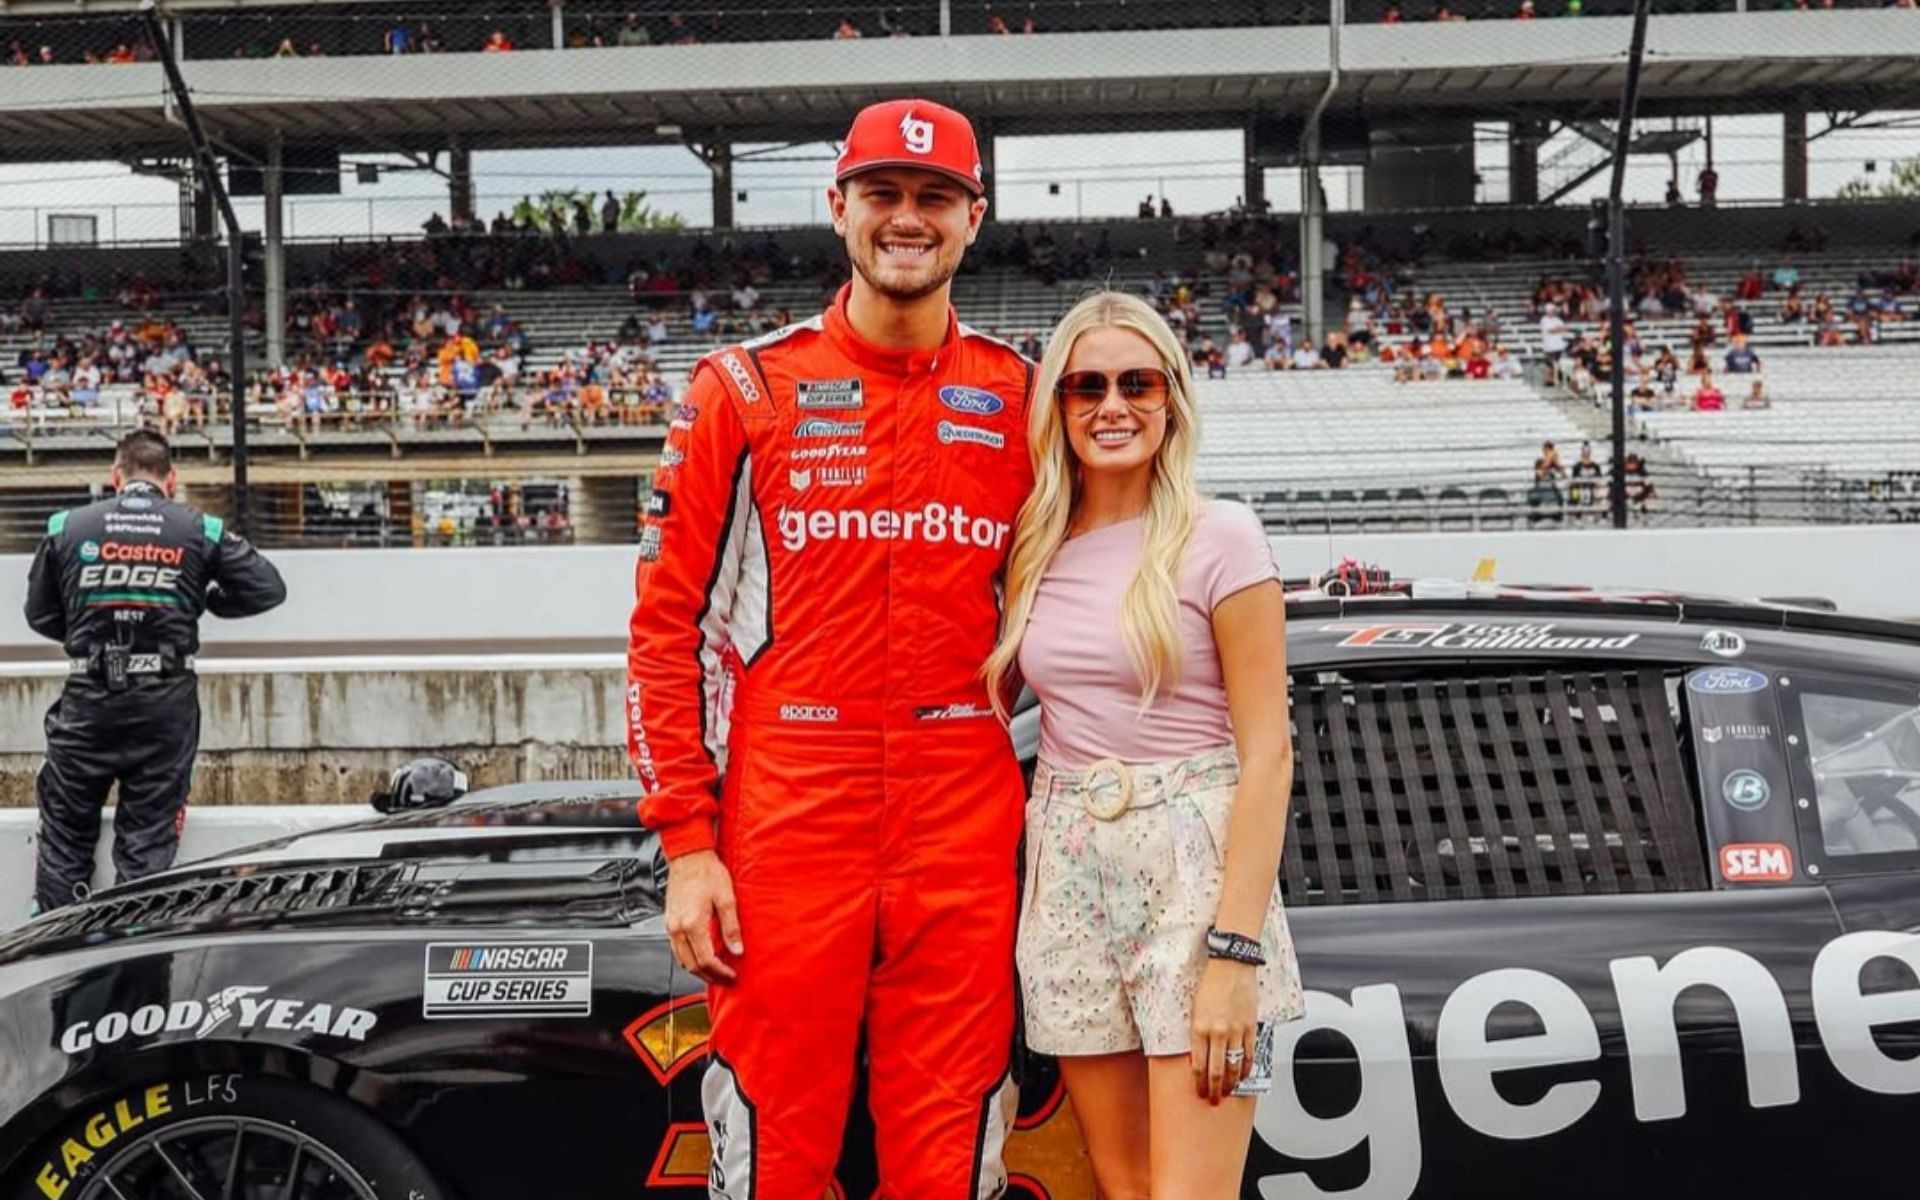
(1595, 897)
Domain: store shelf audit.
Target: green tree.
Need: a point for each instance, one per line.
(635, 212)
(1901, 183)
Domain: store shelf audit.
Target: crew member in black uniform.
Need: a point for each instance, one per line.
(121, 584)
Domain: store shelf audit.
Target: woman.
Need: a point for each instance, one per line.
(1153, 951)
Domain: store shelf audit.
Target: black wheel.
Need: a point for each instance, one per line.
(227, 1137)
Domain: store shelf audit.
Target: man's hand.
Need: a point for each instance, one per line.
(699, 892)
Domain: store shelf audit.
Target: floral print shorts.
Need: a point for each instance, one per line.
(1120, 890)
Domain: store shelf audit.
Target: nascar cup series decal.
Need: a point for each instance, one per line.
(1384, 1115)
(508, 979)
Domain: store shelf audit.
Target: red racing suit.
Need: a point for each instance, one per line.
(817, 592)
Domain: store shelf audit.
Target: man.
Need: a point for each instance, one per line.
(816, 595)
(121, 584)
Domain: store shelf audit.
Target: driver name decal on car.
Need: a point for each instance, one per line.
(1471, 635)
(230, 1010)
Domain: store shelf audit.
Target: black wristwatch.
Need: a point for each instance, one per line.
(1235, 947)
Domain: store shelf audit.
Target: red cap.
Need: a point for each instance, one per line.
(912, 133)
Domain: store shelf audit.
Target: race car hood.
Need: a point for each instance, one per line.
(570, 854)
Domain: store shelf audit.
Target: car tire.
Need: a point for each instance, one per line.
(196, 1121)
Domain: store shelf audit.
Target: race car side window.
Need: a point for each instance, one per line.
(1859, 754)
(1524, 782)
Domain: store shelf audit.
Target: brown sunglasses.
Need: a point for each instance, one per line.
(1145, 390)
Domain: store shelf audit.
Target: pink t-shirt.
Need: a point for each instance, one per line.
(1074, 660)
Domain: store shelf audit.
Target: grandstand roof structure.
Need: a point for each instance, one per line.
(1065, 83)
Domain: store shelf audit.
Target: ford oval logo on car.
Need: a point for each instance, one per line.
(1726, 681)
(971, 401)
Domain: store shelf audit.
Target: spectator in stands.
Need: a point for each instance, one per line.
(1525, 12)
(846, 31)
(1505, 365)
(399, 38)
(1584, 492)
(634, 32)
(1786, 276)
(1146, 207)
(1793, 310)
(1306, 358)
(610, 213)
(1708, 397)
(1741, 360)
(1030, 346)
(1239, 349)
(34, 311)
(997, 24)
(657, 329)
(1553, 339)
(1640, 489)
(1392, 15)
(1333, 354)
(1708, 185)
(745, 296)
(286, 49)
(1757, 395)
(1642, 398)
(1544, 501)
(426, 41)
(1166, 208)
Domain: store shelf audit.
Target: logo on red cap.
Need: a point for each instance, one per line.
(912, 133)
(916, 133)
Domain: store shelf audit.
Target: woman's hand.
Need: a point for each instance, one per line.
(1225, 1007)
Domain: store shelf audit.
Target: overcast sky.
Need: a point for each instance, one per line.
(1097, 175)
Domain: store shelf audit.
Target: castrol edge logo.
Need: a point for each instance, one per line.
(1385, 1116)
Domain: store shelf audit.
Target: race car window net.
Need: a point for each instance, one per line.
(1467, 787)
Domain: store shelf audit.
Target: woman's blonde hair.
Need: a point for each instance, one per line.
(1149, 608)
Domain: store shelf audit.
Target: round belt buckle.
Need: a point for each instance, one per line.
(1104, 803)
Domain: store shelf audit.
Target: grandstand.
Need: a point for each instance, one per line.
(1389, 439)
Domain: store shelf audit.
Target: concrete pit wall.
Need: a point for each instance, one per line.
(329, 731)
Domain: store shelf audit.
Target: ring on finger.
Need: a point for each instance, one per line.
(1235, 1056)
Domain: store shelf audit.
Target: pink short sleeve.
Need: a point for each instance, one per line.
(1231, 550)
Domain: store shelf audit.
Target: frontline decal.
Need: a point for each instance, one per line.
(1473, 635)
(1385, 1115)
(231, 1010)
(508, 979)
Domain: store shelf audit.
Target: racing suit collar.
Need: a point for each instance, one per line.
(883, 358)
(141, 486)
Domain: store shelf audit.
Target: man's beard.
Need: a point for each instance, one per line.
(939, 279)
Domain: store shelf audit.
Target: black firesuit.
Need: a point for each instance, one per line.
(121, 585)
